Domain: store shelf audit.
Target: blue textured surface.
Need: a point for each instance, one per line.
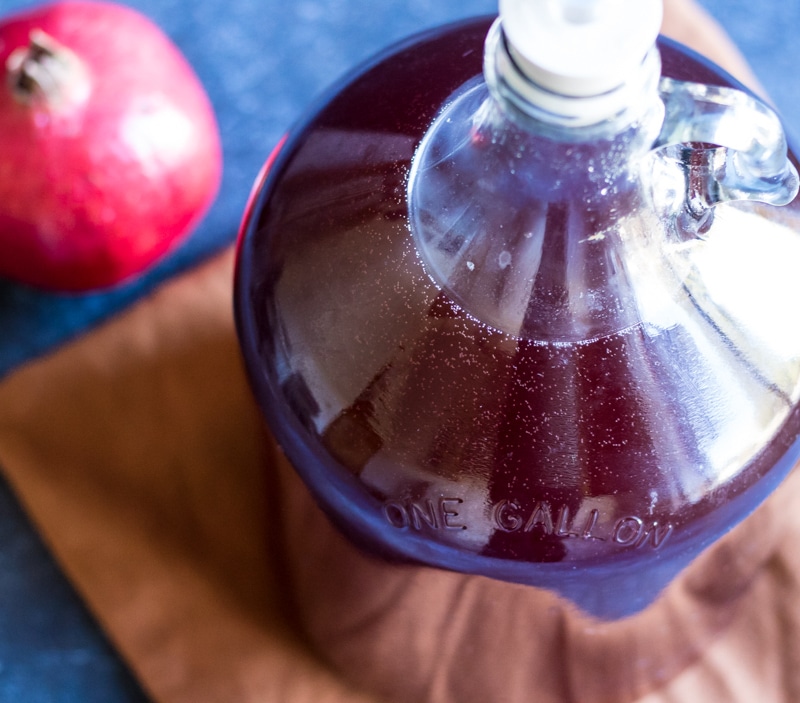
(50, 649)
(263, 62)
(767, 34)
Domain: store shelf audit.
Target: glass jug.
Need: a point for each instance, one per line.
(512, 319)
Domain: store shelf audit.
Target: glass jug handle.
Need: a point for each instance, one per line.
(729, 146)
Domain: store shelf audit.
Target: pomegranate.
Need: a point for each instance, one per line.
(109, 148)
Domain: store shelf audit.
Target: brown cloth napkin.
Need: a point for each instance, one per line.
(138, 452)
(140, 455)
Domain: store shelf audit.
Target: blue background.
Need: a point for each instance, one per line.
(263, 62)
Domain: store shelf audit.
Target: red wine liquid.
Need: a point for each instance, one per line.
(429, 436)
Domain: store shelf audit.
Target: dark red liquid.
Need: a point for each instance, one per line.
(429, 436)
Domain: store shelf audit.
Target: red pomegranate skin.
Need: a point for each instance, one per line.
(104, 171)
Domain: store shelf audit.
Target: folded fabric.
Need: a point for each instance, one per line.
(140, 456)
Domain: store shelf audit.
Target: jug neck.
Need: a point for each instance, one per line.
(528, 213)
(509, 78)
(556, 217)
